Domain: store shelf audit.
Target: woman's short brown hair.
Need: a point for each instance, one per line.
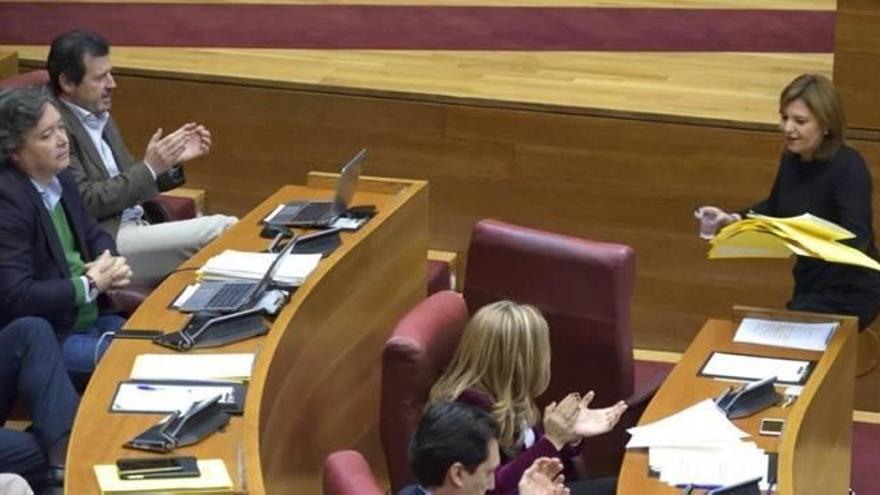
(823, 100)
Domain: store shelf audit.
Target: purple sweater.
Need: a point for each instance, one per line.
(510, 471)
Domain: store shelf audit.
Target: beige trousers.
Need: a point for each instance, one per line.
(154, 251)
(13, 484)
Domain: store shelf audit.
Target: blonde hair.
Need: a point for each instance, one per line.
(821, 97)
(505, 352)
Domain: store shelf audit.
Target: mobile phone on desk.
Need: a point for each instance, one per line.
(771, 427)
(144, 468)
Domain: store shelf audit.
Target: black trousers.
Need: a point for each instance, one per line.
(32, 370)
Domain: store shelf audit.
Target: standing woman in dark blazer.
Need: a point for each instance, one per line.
(819, 174)
(55, 262)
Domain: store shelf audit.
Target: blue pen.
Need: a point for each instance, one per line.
(146, 387)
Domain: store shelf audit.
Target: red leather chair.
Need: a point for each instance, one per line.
(583, 288)
(420, 346)
(347, 473)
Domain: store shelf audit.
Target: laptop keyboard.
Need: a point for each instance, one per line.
(313, 212)
(231, 295)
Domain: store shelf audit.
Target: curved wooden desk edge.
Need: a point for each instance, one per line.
(315, 385)
(816, 448)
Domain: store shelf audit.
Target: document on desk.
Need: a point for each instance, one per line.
(222, 367)
(292, 272)
(699, 446)
(795, 335)
(700, 424)
(710, 465)
(167, 396)
(746, 367)
(214, 478)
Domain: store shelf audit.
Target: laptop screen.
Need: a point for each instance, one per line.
(348, 179)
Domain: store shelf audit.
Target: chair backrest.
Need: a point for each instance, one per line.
(25, 79)
(419, 348)
(583, 288)
(347, 473)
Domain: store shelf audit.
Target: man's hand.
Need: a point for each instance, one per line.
(543, 477)
(190, 141)
(592, 422)
(198, 143)
(109, 271)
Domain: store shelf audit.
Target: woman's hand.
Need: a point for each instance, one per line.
(713, 218)
(560, 419)
(543, 477)
(592, 422)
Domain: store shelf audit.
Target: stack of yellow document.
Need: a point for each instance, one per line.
(214, 479)
(760, 236)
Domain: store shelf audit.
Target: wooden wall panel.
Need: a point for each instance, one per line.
(8, 64)
(857, 60)
(600, 177)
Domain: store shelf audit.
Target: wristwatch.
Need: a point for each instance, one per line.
(93, 289)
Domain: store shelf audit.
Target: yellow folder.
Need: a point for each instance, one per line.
(760, 236)
(214, 479)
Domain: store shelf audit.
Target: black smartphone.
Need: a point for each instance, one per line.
(140, 468)
(137, 333)
(771, 427)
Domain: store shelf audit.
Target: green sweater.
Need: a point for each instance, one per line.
(88, 312)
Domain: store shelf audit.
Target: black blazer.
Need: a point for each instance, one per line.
(34, 276)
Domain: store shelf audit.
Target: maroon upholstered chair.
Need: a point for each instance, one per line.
(419, 348)
(583, 288)
(347, 473)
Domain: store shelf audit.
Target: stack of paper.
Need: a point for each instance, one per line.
(791, 334)
(760, 236)
(699, 446)
(213, 479)
(293, 270)
(224, 367)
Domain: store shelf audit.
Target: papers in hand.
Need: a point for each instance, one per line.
(743, 367)
(225, 367)
(700, 446)
(760, 236)
(214, 478)
(293, 271)
(809, 336)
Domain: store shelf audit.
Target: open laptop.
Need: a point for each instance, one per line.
(324, 213)
(227, 296)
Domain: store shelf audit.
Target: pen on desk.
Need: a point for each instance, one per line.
(147, 387)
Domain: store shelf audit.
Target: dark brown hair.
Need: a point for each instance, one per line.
(821, 97)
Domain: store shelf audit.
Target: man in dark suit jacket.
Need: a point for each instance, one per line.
(112, 182)
(54, 258)
(454, 450)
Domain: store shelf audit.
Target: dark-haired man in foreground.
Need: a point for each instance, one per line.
(112, 182)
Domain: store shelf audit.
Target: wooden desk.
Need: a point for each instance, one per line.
(315, 383)
(814, 450)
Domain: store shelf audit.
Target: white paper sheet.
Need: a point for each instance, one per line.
(226, 367)
(809, 336)
(160, 398)
(722, 364)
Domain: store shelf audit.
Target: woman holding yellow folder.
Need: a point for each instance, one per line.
(819, 174)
